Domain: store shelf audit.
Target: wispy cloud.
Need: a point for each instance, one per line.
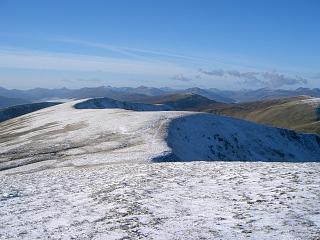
(142, 63)
(278, 80)
(217, 72)
(140, 53)
(182, 78)
(84, 80)
(28, 59)
(268, 79)
(129, 51)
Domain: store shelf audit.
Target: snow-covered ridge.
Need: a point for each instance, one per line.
(79, 133)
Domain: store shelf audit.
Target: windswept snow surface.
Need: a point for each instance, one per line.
(85, 173)
(195, 200)
(65, 136)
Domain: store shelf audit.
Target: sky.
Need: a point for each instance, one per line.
(226, 44)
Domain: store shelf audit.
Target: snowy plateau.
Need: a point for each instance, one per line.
(104, 169)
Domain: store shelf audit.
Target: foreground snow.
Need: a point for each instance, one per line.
(198, 200)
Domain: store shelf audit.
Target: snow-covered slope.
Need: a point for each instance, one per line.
(212, 137)
(72, 134)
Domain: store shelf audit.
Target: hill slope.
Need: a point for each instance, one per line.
(266, 93)
(64, 136)
(297, 113)
(9, 102)
(300, 113)
(179, 102)
(103, 103)
(208, 94)
(16, 111)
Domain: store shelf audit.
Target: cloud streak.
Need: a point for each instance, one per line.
(266, 79)
(128, 51)
(139, 53)
(26, 59)
(182, 78)
(85, 80)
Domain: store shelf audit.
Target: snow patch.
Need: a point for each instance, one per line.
(312, 101)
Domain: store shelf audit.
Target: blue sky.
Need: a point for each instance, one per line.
(223, 44)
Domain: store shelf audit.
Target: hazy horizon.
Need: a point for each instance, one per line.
(158, 87)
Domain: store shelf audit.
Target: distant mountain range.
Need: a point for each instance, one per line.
(117, 93)
(136, 94)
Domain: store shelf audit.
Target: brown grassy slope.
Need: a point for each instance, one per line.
(286, 113)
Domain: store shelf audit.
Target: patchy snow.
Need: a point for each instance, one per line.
(195, 200)
(311, 101)
(64, 136)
